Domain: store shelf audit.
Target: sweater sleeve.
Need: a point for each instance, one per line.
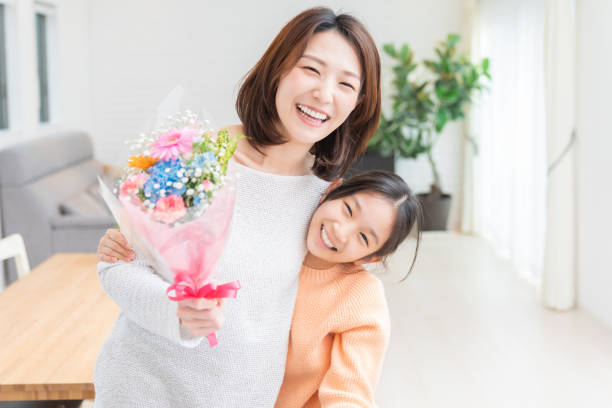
(357, 356)
(141, 295)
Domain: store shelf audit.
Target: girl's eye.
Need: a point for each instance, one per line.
(311, 69)
(346, 84)
(348, 208)
(365, 239)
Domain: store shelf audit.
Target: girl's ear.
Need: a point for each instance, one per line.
(331, 187)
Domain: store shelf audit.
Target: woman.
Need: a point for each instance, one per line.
(308, 108)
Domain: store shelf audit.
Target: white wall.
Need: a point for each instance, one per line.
(142, 49)
(594, 164)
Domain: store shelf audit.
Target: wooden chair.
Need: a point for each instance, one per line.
(13, 247)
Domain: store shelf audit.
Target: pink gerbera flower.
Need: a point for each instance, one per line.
(174, 143)
(169, 209)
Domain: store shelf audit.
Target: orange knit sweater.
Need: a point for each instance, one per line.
(339, 333)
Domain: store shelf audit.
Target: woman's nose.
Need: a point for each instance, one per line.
(324, 92)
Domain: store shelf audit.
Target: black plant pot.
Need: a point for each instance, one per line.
(435, 210)
(371, 161)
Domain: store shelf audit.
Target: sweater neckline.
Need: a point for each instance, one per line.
(336, 269)
(260, 173)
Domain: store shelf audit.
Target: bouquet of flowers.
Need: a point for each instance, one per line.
(174, 204)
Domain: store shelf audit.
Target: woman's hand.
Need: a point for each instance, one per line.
(113, 247)
(201, 316)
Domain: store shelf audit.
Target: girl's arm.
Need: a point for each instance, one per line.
(357, 357)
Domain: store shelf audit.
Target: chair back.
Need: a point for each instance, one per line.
(13, 247)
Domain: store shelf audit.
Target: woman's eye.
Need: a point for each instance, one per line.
(348, 208)
(364, 238)
(347, 85)
(311, 69)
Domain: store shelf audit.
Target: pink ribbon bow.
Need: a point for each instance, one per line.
(185, 287)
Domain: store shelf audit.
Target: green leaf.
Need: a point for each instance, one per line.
(452, 40)
(404, 52)
(441, 119)
(485, 65)
(432, 65)
(390, 49)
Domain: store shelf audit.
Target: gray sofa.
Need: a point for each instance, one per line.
(48, 194)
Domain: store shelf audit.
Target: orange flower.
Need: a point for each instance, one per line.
(141, 162)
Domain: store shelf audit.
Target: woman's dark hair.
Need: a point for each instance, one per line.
(393, 188)
(256, 101)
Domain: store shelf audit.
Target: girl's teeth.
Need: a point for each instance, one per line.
(312, 113)
(326, 239)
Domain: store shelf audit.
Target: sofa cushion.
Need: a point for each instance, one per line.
(84, 203)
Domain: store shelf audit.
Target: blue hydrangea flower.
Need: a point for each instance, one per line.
(198, 201)
(162, 173)
(200, 160)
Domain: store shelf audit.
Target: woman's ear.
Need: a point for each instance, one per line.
(331, 188)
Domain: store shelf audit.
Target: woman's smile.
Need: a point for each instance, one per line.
(317, 95)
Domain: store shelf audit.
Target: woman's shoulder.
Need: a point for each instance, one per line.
(234, 130)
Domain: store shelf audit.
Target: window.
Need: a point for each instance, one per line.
(4, 119)
(46, 61)
(43, 74)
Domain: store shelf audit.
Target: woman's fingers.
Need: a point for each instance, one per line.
(112, 248)
(198, 303)
(118, 237)
(113, 245)
(200, 316)
(106, 258)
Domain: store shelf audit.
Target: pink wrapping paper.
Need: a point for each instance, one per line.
(189, 250)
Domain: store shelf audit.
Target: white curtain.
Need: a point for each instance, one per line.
(520, 127)
(558, 275)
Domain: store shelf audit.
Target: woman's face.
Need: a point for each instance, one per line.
(320, 91)
(350, 228)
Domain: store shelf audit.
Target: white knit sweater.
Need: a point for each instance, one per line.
(148, 361)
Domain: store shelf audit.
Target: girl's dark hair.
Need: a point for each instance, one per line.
(256, 101)
(394, 188)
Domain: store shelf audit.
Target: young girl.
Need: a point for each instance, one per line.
(340, 323)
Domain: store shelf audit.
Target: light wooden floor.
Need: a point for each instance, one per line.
(466, 332)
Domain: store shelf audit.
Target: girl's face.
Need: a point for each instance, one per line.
(350, 228)
(320, 91)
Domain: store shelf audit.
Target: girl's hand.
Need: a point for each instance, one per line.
(201, 316)
(113, 247)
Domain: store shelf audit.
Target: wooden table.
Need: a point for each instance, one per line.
(52, 325)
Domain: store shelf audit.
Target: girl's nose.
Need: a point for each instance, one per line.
(339, 232)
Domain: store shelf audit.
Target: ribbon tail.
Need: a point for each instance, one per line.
(212, 339)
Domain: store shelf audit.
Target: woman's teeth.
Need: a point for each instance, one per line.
(326, 240)
(309, 113)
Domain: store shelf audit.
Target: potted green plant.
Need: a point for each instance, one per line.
(422, 108)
